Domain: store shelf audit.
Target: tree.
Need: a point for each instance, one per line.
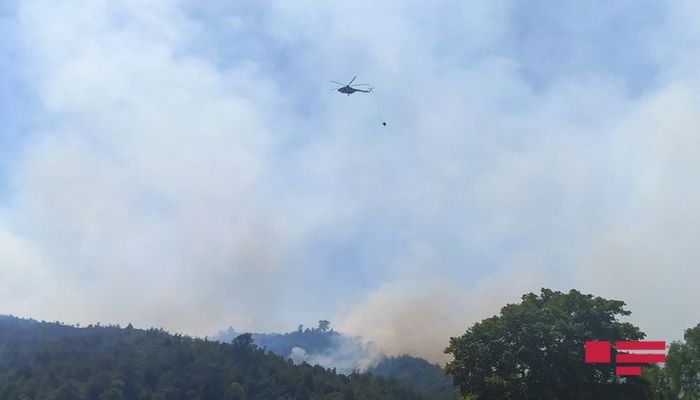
(214, 386)
(348, 394)
(534, 350)
(659, 385)
(115, 391)
(112, 394)
(67, 391)
(244, 347)
(244, 342)
(323, 325)
(683, 366)
(235, 392)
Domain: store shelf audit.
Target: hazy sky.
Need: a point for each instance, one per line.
(185, 164)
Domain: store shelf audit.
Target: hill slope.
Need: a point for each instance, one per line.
(419, 375)
(316, 346)
(332, 349)
(40, 360)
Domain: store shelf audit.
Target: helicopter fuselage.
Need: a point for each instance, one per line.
(347, 90)
(350, 90)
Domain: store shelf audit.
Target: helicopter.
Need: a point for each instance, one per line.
(349, 89)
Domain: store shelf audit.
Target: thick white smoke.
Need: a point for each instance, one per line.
(187, 167)
(346, 355)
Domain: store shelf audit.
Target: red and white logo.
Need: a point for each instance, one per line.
(628, 358)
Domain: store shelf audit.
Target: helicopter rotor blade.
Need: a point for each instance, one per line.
(353, 80)
(341, 84)
(360, 84)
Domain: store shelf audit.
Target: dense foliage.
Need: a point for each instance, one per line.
(53, 361)
(342, 351)
(680, 377)
(418, 374)
(683, 366)
(534, 350)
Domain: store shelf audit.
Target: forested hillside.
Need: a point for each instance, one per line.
(40, 360)
(418, 374)
(329, 348)
(322, 345)
(322, 339)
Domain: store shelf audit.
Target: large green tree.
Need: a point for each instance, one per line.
(535, 350)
